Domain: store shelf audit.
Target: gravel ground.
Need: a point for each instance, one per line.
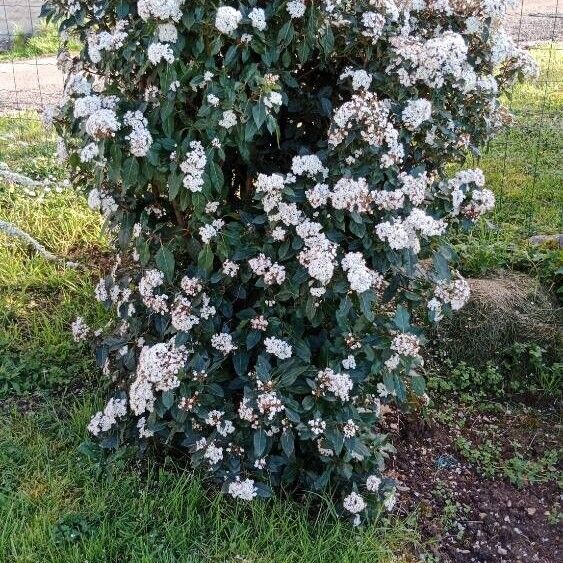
(34, 83)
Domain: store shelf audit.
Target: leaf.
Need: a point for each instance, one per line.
(322, 481)
(260, 441)
(240, 363)
(130, 171)
(336, 439)
(165, 262)
(174, 183)
(168, 399)
(441, 266)
(205, 259)
(402, 319)
(289, 376)
(366, 301)
(288, 442)
(252, 339)
(418, 385)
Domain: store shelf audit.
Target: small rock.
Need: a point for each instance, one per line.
(531, 511)
(542, 239)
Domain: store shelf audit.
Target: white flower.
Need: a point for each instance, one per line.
(360, 78)
(227, 19)
(244, 490)
(296, 8)
(167, 33)
(390, 500)
(278, 348)
(349, 363)
(213, 100)
(160, 51)
(229, 119)
(80, 330)
(372, 483)
(104, 420)
(258, 18)
(193, 167)
(213, 454)
(308, 165)
(317, 426)
(223, 342)
(163, 10)
(354, 503)
(416, 113)
(339, 384)
(406, 344)
(230, 268)
(89, 152)
(140, 139)
(102, 123)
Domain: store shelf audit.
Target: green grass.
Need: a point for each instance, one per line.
(39, 299)
(58, 506)
(44, 42)
(523, 167)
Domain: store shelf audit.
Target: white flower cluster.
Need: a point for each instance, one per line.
(360, 78)
(373, 118)
(167, 33)
(360, 277)
(354, 503)
(455, 293)
(373, 25)
(102, 421)
(319, 254)
(211, 230)
(296, 8)
(278, 348)
(258, 18)
(339, 384)
(89, 152)
(352, 195)
(434, 60)
(308, 165)
(157, 370)
(193, 167)
(151, 280)
(101, 201)
(106, 41)
(227, 19)
(223, 342)
(102, 124)
(80, 330)
(466, 200)
(229, 119)
(272, 272)
(244, 490)
(406, 345)
(140, 138)
(162, 10)
(158, 52)
(269, 404)
(416, 113)
(402, 233)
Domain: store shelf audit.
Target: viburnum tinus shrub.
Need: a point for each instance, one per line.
(273, 175)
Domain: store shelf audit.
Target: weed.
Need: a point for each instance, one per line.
(45, 41)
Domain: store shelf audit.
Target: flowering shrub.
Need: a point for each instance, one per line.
(274, 176)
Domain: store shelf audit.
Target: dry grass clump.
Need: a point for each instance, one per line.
(508, 308)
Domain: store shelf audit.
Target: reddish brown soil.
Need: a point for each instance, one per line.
(466, 517)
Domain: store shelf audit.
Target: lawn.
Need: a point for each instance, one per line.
(60, 503)
(44, 42)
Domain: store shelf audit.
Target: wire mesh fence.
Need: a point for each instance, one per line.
(524, 164)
